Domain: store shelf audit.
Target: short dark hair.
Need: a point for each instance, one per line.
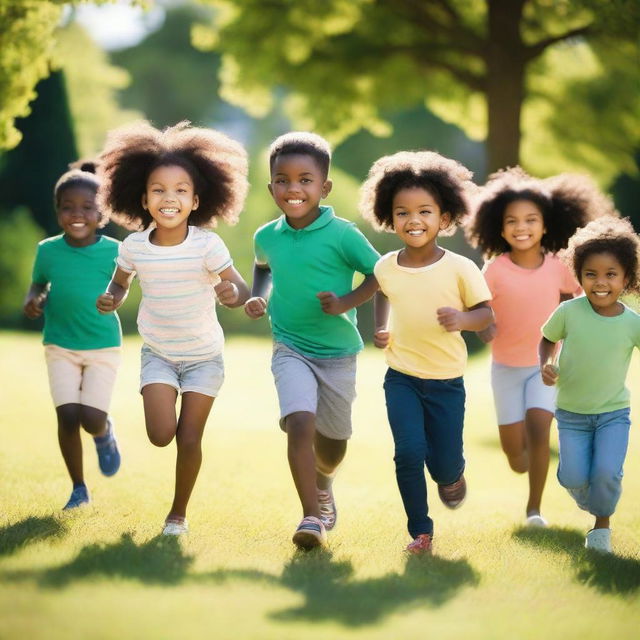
(445, 179)
(81, 174)
(302, 143)
(216, 163)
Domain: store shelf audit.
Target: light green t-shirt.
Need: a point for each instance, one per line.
(321, 257)
(595, 356)
(77, 276)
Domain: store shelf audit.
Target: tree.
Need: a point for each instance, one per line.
(346, 61)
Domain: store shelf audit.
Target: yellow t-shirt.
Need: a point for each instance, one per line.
(418, 345)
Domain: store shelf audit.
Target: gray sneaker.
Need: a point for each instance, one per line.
(598, 540)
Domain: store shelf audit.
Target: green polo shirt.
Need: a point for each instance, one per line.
(77, 276)
(321, 257)
(595, 356)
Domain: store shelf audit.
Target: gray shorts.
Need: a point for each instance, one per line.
(201, 376)
(517, 389)
(325, 387)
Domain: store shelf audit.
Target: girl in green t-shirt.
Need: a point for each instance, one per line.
(82, 348)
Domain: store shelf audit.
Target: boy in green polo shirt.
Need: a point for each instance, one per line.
(306, 260)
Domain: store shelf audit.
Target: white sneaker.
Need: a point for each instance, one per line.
(535, 520)
(175, 528)
(598, 540)
(310, 533)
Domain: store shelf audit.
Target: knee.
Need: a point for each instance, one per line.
(68, 417)
(160, 439)
(572, 479)
(519, 464)
(407, 455)
(93, 420)
(300, 429)
(189, 443)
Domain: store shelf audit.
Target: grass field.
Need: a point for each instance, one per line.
(104, 572)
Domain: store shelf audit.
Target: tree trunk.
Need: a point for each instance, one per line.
(505, 62)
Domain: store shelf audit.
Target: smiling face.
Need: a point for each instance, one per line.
(417, 218)
(603, 279)
(523, 226)
(78, 215)
(297, 186)
(170, 197)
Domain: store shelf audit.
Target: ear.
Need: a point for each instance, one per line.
(270, 189)
(326, 188)
(144, 201)
(196, 203)
(445, 220)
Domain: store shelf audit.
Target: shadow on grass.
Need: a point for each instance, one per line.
(607, 573)
(331, 594)
(28, 531)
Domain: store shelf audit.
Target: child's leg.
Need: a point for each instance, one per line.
(514, 444)
(93, 420)
(329, 454)
(194, 412)
(301, 430)
(160, 413)
(406, 418)
(69, 440)
(538, 424)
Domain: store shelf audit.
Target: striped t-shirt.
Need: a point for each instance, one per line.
(177, 316)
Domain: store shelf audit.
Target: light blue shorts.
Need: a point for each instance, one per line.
(517, 389)
(201, 376)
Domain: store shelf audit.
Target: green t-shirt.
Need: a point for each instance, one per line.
(595, 356)
(77, 276)
(321, 257)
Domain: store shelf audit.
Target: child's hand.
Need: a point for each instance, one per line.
(331, 303)
(549, 374)
(106, 303)
(450, 318)
(33, 307)
(227, 292)
(381, 338)
(255, 307)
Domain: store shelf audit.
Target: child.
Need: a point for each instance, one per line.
(308, 253)
(524, 222)
(434, 294)
(82, 348)
(171, 184)
(598, 334)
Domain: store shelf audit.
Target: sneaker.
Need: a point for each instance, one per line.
(79, 496)
(453, 495)
(107, 448)
(328, 511)
(310, 533)
(175, 528)
(535, 520)
(598, 540)
(422, 544)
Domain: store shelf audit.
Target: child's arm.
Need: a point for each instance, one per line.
(116, 292)
(256, 305)
(35, 300)
(381, 320)
(335, 305)
(477, 318)
(488, 334)
(233, 290)
(546, 353)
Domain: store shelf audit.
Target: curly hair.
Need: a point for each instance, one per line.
(303, 143)
(216, 163)
(81, 174)
(448, 182)
(607, 234)
(566, 202)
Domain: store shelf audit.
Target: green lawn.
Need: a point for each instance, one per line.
(104, 572)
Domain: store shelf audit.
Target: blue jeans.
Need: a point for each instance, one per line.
(426, 418)
(592, 452)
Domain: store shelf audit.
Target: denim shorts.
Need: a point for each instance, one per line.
(201, 376)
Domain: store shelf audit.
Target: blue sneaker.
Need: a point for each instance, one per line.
(79, 496)
(107, 448)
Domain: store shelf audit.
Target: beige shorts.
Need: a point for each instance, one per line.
(82, 377)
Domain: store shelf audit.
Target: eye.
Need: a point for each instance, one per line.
(305, 180)
(425, 212)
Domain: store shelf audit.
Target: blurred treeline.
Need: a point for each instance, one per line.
(165, 79)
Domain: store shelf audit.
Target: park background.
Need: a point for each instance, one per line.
(551, 85)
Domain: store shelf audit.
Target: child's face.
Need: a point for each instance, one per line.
(523, 225)
(78, 215)
(297, 186)
(417, 218)
(170, 196)
(603, 279)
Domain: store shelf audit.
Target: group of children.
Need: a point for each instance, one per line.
(170, 185)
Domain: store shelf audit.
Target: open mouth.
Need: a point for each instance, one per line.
(294, 202)
(415, 232)
(169, 212)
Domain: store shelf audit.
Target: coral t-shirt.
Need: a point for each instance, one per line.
(522, 300)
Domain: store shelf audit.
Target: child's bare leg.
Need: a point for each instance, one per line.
(93, 420)
(193, 417)
(329, 455)
(69, 440)
(514, 444)
(602, 522)
(301, 428)
(160, 413)
(538, 424)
